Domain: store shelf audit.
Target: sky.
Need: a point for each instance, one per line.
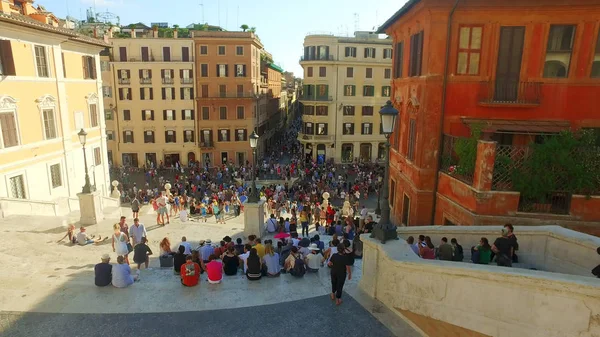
(281, 25)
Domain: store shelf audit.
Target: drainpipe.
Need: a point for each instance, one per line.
(443, 111)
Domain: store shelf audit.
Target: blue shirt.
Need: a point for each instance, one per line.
(121, 276)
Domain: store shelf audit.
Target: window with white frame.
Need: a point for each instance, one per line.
(41, 61)
(221, 70)
(110, 135)
(170, 115)
(188, 115)
(49, 123)
(106, 91)
(170, 136)
(127, 136)
(17, 187)
(55, 176)
(148, 136)
(188, 136)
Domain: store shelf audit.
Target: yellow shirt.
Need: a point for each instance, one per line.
(260, 250)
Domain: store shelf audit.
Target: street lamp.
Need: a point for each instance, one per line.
(87, 188)
(253, 197)
(384, 230)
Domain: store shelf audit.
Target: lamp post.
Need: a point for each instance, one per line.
(87, 188)
(378, 209)
(253, 197)
(384, 230)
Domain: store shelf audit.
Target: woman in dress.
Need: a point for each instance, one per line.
(119, 242)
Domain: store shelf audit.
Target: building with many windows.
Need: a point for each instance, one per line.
(50, 89)
(346, 81)
(151, 119)
(476, 85)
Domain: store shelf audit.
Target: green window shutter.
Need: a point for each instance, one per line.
(326, 91)
(353, 90)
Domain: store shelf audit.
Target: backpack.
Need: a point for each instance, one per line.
(299, 269)
(135, 203)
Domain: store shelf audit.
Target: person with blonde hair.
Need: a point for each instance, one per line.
(119, 242)
(271, 260)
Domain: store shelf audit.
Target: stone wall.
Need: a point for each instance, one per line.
(487, 299)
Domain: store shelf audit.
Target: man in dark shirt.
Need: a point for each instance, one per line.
(103, 272)
(369, 224)
(513, 240)
(141, 251)
(179, 260)
(503, 247)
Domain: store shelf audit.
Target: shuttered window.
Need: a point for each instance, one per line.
(412, 139)
(469, 50)
(398, 60)
(7, 64)
(416, 54)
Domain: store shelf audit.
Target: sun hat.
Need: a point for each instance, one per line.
(207, 241)
(313, 246)
(105, 257)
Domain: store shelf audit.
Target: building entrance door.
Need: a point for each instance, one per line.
(171, 159)
(191, 158)
(241, 158)
(508, 67)
(150, 160)
(224, 157)
(321, 153)
(365, 152)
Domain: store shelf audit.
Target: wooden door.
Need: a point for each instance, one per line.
(145, 55)
(508, 68)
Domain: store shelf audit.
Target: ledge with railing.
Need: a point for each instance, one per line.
(168, 81)
(145, 81)
(513, 93)
(187, 81)
(207, 144)
(317, 58)
(450, 161)
(316, 98)
(124, 81)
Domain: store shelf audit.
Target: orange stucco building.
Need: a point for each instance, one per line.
(519, 71)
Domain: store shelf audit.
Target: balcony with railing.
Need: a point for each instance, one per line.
(230, 95)
(308, 138)
(187, 81)
(168, 81)
(124, 81)
(145, 81)
(510, 93)
(155, 59)
(206, 144)
(317, 58)
(316, 98)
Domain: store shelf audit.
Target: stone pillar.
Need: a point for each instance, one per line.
(484, 165)
(90, 208)
(254, 219)
(368, 280)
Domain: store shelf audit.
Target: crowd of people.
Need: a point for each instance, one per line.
(503, 249)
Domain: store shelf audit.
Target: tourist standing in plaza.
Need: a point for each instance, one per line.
(119, 242)
(340, 269)
(135, 206)
(137, 231)
(161, 202)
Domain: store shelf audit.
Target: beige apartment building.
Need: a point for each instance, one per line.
(346, 81)
(50, 89)
(151, 117)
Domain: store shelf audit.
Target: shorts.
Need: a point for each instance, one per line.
(162, 210)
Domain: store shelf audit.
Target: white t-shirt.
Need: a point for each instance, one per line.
(161, 201)
(363, 213)
(244, 257)
(183, 215)
(188, 247)
(314, 261)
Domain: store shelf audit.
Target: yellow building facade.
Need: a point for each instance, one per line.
(346, 82)
(50, 89)
(151, 118)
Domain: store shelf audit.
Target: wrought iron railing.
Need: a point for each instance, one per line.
(317, 58)
(450, 161)
(145, 81)
(510, 92)
(316, 98)
(168, 81)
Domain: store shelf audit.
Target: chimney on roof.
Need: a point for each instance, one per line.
(155, 31)
(109, 33)
(133, 33)
(95, 32)
(175, 33)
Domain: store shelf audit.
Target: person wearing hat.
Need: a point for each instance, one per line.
(206, 250)
(313, 260)
(84, 239)
(103, 272)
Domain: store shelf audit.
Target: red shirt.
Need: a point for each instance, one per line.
(214, 270)
(190, 273)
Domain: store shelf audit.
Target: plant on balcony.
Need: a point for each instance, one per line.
(466, 151)
(568, 162)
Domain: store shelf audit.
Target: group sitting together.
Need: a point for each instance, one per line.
(503, 249)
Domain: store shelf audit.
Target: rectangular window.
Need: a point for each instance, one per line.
(170, 136)
(370, 52)
(123, 54)
(322, 129)
(205, 113)
(399, 60)
(97, 156)
(350, 72)
(106, 92)
(386, 91)
(223, 112)
(322, 71)
(126, 115)
(94, 120)
(367, 111)
(469, 50)
(169, 115)
(188, 136)
(241, 135)
(8, 130)
(204, 70)
(308, 129)
(41, 61)
(108, 114)
(412, 139)
(187, 115)
(167, 54)
(203, 50)
(89, 67)
(222, 70)
(240, 70)
(221, 50)
(204, 90)
(240, 112)
(309, 71)
(416, 54)
(127, 136)
(367, 129)
(223, 135)
(222, 90)
(348, 129)
(104, 66)
(17, 187)
(168, 93)
(309, 110)
(145, 54)
(240, 90)
(7, 63)
(110, 135)
(596, 63)
(49, 124)
(125, 94)
(368, 90)
(369, 72)
(185, 54)
(350, 52)
(559, 51)
(322, 110)
(149, 137)
(186, 93)
(239, 50)
(322, 91)
(349, 110)
(349, 90)
(146, 94)
(55, 176)
(147, 115)
(387, 73)
(387, 53)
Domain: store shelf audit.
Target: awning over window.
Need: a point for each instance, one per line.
(518, 126)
